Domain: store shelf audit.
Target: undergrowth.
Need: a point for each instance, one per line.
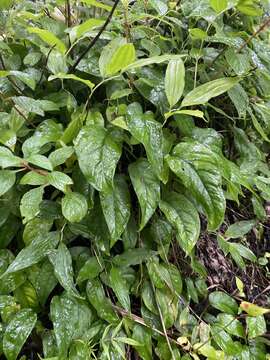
(135, 180)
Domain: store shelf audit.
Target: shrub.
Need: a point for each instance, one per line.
(134, 178)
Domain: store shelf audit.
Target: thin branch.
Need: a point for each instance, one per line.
(140, 321)
(16, 87)
(92, 43)
(261, 28)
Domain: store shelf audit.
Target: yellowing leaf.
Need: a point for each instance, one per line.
(195, 113)
(253, 309)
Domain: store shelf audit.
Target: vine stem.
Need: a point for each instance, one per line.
(95, 39)
(261, 28)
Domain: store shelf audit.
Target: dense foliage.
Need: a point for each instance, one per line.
(134, 181)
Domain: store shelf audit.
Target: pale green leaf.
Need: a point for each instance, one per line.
(123, 56)
(74, 207)
(71, 77)
(49, 38)
(174, 81)
(203, 93)
(7, 180)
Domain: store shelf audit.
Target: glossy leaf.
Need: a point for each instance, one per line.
(62, 263)
(74, 206)
(182, 214)
(147, 188)
(30, 203)
(98, 154)
(36, 251)
(71, 318)
(120, 287)
(223, 302)
(115, 203)
(7, 180)
(256, 326)
(149, 132)
(197, 167)
(17, 332)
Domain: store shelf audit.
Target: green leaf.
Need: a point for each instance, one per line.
(7, 180)
(33, 178)
(77, 31)
(59, 180)
(219, 5)
(132, 257)
(59, 156)
(253, 309)
(198, 168)
(71, 319)
(231, 325)
(40, 160)
(174, 81)
(17, 332)
(147, 188)
(63, 271)
(151, 60)
(71, 77)
(224, 340)
(22, 76)
(99, 301)
(90, 269)
(123, 56)
(182, 214)
(5, 4)
(249, 8)
(256, 326)
(49, 38)
(7, 159)
(149, 132)
(29, 105)
(34, 228)
(240, 228)
(143, 336)
(223, 302)
(74, 207)
(36, 251)
(120, 287)
(98, 154)
(115, 203)
(202, 94)
(30, 202)
(160, 6)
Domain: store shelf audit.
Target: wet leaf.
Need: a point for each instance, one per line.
(17, 332)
